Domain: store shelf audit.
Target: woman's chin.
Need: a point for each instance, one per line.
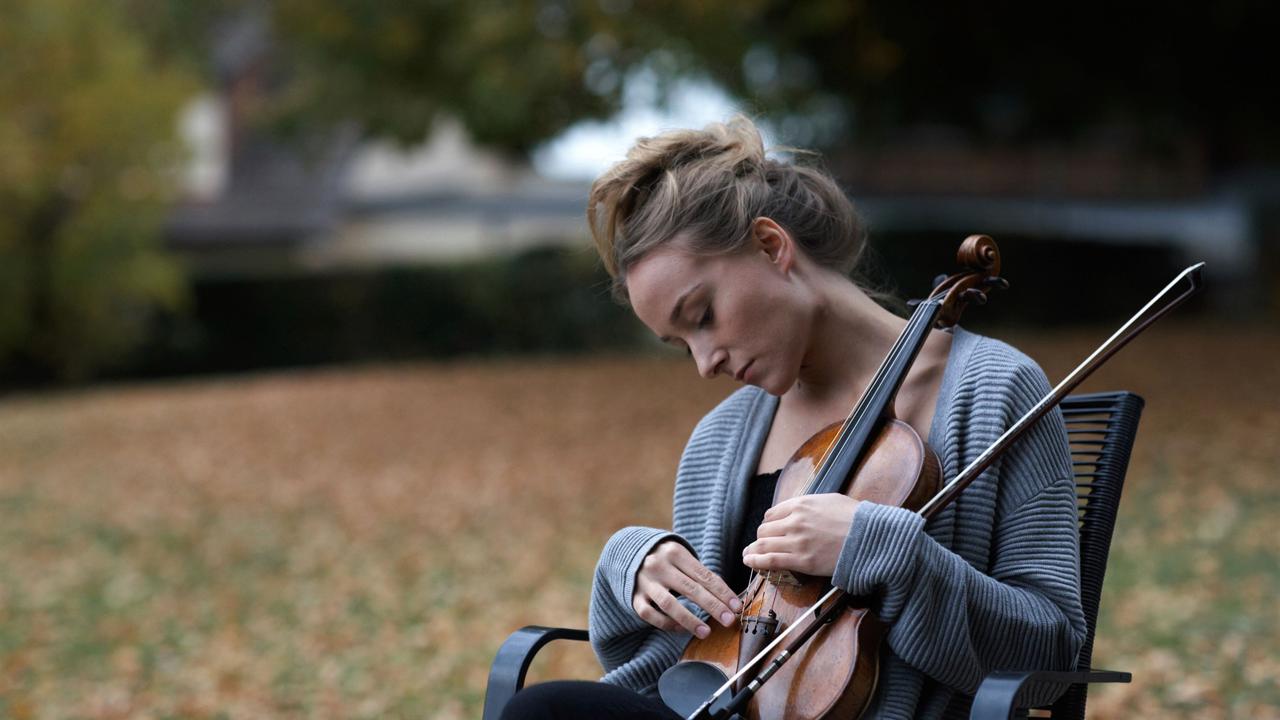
(774, 388)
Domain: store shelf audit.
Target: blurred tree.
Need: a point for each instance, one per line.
(88, 159)
(518, 72)
(1006, 72)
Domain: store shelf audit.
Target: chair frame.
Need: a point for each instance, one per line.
(1101, 428)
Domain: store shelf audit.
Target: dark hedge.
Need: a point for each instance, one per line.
(555, 300)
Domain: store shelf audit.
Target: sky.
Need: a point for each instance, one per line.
(583, 151)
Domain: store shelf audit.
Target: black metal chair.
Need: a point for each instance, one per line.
(1101, 428)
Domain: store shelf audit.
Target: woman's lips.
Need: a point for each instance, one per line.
(742, 374)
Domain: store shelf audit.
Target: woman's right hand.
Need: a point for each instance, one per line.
(670, 570)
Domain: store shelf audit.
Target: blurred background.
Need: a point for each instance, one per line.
(311, 389)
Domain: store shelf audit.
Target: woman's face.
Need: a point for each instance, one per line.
(743, 315)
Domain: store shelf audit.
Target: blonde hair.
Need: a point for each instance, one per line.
(709, 186)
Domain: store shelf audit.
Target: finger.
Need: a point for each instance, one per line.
(774, 528)
(768, 561)
(654, 617)
(646, 607)
(671, 607)
(782, 509)
(711, 593)
(685, 563)
(647, 588)
(765, 545)
(703, 598)
(675, 579)
(671, 615)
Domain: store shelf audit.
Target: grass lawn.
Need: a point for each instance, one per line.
(355, 543)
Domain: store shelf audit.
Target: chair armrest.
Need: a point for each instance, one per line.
(996, 697)
(506, 675)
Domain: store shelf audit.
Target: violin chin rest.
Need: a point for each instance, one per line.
(686, 685)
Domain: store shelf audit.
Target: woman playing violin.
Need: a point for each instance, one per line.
(744, 262)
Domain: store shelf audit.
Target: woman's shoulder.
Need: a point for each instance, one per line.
(734, 426)
(999, 384)
(740, 407)
(989, 366)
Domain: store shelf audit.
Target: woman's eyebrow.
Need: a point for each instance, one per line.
(675, 311)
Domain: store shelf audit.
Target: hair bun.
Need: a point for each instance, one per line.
(708, 186)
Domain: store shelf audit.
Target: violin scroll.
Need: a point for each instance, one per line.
(980, 258)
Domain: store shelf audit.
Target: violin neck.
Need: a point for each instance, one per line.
(876, 404)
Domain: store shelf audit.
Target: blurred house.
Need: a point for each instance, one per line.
(448, 200)
(1097, 192)
(259, 205)
(344, 202)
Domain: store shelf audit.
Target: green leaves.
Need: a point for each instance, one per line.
(87, 165)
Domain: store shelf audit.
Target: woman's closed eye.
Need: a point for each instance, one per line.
(707, 317)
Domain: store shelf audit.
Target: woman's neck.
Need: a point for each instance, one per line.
(851, 336)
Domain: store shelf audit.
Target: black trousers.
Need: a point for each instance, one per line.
(583, 700)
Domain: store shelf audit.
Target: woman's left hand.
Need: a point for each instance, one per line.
(803, 534)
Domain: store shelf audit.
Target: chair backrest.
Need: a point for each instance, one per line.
(1101, 428)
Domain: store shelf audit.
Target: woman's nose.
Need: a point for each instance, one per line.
(709, 362)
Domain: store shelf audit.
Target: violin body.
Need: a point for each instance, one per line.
(833, 676)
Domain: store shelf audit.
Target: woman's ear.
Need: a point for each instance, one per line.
(775, 242)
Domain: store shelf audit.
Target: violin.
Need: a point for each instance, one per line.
(871, 455)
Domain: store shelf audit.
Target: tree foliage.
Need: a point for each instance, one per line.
(86, 165)
(517, 72)
(1014, 73)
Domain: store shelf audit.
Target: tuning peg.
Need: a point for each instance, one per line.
(974, 295)
(997, 282)
(938, 279)
(914, 302)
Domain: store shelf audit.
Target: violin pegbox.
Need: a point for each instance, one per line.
(980, 258)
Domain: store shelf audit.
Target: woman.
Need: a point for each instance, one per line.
(744, 262)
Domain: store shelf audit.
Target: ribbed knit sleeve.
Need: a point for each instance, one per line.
(616, 630)
(633, 653)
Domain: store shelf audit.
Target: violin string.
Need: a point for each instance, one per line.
(877, 382)
(854, 416)
(747, 596)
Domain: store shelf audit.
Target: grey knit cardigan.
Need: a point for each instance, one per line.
(991, 583)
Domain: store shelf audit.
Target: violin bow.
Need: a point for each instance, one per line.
(1144, 318)
(825, 609)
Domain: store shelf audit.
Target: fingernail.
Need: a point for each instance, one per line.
(703, 631)
(726, 617)
(735, 605)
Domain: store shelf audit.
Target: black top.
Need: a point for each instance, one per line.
(759, 501)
